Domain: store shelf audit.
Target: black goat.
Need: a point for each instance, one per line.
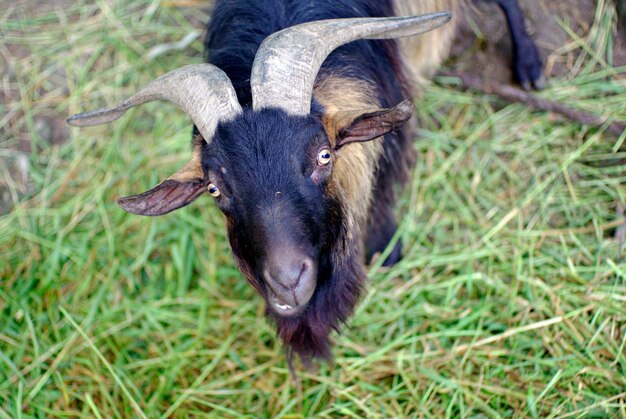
(300, 142)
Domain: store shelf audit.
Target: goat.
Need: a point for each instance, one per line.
(301, 135)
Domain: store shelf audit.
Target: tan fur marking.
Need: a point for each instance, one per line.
(423, 54)
(353, 172)
(192, 170)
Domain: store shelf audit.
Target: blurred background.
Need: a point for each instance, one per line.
(510, 301)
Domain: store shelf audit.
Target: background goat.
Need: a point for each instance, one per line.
(293, 149)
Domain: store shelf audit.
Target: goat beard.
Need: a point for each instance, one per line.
(308, 334)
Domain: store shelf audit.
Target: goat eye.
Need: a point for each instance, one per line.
(323, 157)
(213, 190)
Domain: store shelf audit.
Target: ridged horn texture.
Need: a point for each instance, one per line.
(203, 91)
(287, 62)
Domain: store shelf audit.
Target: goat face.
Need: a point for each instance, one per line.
(269, 173)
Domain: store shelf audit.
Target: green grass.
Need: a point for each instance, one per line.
(511, 300)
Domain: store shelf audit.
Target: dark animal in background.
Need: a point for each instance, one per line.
(302, 141)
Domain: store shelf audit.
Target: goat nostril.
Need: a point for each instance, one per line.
(288, 276)
(302, 272)
(305, 272)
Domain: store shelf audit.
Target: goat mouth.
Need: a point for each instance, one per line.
(283, 308)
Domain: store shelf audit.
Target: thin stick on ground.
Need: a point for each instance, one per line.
(513, 94)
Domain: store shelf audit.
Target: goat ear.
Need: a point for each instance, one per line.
(180, 189)
(369, 126)
(163, 198)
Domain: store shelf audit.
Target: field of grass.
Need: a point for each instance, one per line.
(510, 301)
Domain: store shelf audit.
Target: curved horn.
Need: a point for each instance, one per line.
(203, 91)
(287, 62)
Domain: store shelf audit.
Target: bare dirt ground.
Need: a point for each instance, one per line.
(482, 47)
(488, 51)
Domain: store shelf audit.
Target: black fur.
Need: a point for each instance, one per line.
(265, 153)
(235, 32)
(238, 27)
